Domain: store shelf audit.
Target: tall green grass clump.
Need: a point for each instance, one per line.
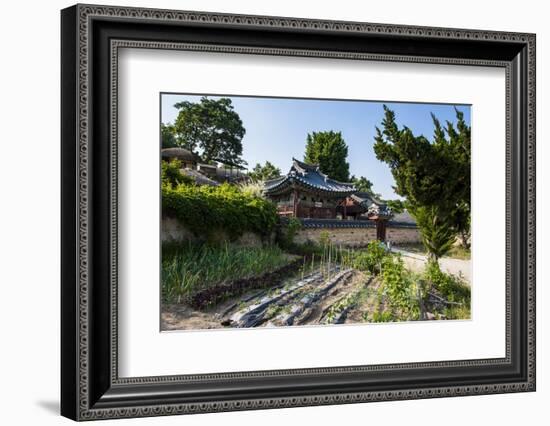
(190, 267)
(451, 287)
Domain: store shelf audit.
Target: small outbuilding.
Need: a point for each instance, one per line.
(188, 159)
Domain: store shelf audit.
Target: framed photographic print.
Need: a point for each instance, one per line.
(263, 212)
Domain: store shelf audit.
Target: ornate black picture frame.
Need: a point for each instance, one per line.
(91, 36)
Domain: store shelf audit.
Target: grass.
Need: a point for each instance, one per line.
(458, 312)
(456, 252)
(384, 316)
(412, 247)
(187, 268)
(459, 252)
(451, 288)
(400, 286)
(190, 268)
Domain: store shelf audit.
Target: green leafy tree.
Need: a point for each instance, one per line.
(396, 206)
(211, 127)
(329, 150)
(431, 175)
(265, 172)
(362, 184)
(168, 136)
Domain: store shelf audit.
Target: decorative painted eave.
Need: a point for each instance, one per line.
(366, 199)
(304, 168)
(379, 212)
(336, 223)
(311, 223)
(309, 177)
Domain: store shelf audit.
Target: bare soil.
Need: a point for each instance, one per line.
(272, 307)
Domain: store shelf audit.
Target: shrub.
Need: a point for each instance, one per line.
(451, 287)
(206, 209)
(252, 189)
(309, 248)
(370, 259)
(384, 316)
(290, 229)
(171, 174)
(399, 286)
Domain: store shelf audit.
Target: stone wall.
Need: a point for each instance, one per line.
(357, 237)
(346, 237)
(173, 231)
(401, 235)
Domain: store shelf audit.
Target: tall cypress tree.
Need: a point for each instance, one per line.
(433, 176)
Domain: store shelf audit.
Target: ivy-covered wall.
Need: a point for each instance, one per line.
(205, 210)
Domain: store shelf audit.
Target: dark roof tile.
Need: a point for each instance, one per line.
(308, 176)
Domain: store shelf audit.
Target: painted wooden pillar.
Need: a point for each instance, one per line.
(381, 229)
(295, 204)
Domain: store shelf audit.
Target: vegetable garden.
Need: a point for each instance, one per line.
(211, 284)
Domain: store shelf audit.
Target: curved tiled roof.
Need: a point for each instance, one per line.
(404, 220)
(180, 154)
(310, 177)
(366, 199)
(336, 223)
(199, 178)
(372, 204)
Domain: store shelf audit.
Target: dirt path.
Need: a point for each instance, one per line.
(417, 262)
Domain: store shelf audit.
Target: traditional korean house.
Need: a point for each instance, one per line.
(364, 206)
(199, 178)
(187, 158)
(305, 192)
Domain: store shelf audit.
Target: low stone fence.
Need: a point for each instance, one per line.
(339, 236)
(354, 233)
(345, 233)
(398, 234)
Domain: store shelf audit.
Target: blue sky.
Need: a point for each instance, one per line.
(276, 128)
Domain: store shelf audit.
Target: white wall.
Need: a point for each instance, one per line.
(29, 225)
